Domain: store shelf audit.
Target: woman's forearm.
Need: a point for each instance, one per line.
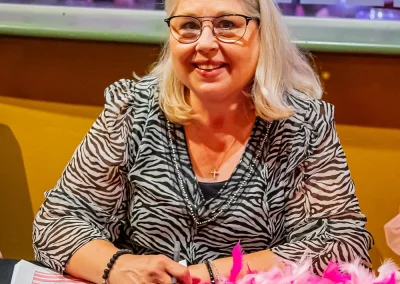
(257, 261)
(89, 261)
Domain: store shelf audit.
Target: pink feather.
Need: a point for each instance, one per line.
(390, 280)
(237, 266)
(332, 273)
(301, 273)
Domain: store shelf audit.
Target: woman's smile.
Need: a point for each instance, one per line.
(210, 69)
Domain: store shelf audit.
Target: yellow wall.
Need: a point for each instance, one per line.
(47, 134)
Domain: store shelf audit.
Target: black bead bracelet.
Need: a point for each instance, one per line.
(112, 261)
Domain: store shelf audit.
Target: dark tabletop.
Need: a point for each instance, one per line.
(7, 268)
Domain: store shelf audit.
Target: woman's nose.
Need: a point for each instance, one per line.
(207, 40)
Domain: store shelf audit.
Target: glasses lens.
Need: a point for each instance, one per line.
(230, 28)
(185, 29)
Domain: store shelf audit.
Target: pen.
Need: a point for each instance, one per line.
(177, 252)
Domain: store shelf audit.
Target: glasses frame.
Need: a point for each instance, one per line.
(247, 18)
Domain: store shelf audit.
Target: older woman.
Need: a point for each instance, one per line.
(226, 140)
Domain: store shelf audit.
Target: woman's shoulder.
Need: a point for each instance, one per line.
(126, 97)
(128, 92)
(299, 135)
(309, 112)
(129, 87)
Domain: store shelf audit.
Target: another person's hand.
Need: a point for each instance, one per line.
(147, 269)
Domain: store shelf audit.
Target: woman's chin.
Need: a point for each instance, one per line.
(212, 90)
(214, 95)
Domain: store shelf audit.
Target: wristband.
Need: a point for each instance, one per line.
(210, 271)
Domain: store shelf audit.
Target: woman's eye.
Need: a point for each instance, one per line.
(224, 24)
(190, 26)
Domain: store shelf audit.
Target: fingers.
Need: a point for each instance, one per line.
(179, 271)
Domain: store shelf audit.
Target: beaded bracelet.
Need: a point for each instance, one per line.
(112, 261)
(215, 271)
(210, 271)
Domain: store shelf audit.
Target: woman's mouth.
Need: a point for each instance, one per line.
(208, 67)
(210, 70)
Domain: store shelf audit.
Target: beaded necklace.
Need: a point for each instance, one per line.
(217, 212)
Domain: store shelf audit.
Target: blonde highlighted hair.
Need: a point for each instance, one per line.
(282, 69)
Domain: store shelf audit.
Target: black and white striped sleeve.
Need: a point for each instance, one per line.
(322, 215)
(89, 200)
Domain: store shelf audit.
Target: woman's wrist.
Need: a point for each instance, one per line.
(199, 271)
(111, 263)
(88, 263)
(213, 272)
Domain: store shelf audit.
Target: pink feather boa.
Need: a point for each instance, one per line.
(301, 273)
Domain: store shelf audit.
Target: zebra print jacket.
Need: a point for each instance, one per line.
(121, 185)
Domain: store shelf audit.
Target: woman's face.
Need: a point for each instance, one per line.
(211, 69)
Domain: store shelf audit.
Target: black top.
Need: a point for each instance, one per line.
(210, 189)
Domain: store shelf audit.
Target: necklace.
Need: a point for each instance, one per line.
(215, 172)
(217, 212)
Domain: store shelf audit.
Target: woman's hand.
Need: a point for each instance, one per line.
(147, 269)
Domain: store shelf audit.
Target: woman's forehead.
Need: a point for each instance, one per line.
(209, 7)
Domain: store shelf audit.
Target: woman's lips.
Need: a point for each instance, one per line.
(209, 70)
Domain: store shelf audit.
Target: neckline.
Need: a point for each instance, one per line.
(203, 201)
(216, 183)
(206, 211)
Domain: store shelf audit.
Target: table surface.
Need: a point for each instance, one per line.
(7, 268)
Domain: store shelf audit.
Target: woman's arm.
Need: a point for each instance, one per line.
(322, 214)
(89, 201)
(85, 212)
(84, 265)
(90, 261)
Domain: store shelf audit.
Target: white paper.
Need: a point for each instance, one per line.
(29, 273)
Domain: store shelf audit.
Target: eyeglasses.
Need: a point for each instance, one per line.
(227, 28)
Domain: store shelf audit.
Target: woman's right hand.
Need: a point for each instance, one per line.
(147, 269)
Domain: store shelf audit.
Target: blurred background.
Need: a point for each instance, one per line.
(358, 9)
(57, 56)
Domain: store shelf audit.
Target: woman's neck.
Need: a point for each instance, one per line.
(222, 116)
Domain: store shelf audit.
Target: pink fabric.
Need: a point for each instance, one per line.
(392, 232)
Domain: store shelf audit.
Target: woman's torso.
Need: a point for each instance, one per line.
(163, 200)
